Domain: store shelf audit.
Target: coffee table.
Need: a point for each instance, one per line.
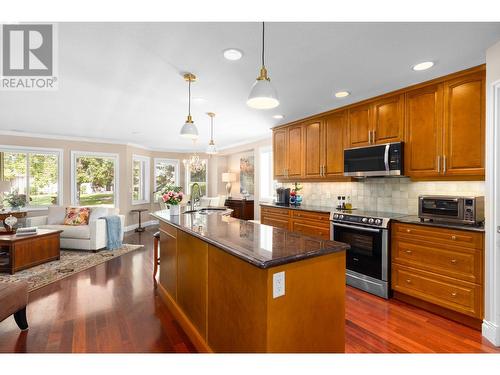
(21, 252)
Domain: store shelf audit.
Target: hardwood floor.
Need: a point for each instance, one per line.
(113, 308)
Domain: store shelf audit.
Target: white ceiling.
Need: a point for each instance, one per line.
(122, 81)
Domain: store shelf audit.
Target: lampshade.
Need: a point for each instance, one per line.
(263, 95)
(211, 149)
(189, 130)
(4, 186)
(228, 177)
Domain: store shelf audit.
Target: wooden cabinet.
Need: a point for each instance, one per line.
(242, 208)
(445, 129)
(279, 153)
(295, 156)
(440, 266)
(313, 149)
(381, 121)
(335, 139)
(464, 126)
(309, 223)
(168, 256)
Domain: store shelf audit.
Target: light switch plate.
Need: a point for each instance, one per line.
(278, 284)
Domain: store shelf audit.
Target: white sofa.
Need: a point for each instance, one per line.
(79, 237)
(217, 201)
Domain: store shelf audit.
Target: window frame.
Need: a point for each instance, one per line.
(58, 152)
(146, 184)
(175, 162)
(187, 176)
(116, 157)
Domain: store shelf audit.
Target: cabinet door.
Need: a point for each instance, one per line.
(335, 129)
(424, 117)
(313, 149)
(464, 111)
(168, 265)
(279, 153)
(294, 152)
(359, 126)
(388, 119)
(274, 221)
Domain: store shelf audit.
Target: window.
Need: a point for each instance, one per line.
(266, 185)
(94, 179)
(140, 179)
(166, 174)
(199, 177)
(35, 173)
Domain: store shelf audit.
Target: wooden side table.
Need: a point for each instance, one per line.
(17, 214)
(242, 208)
(139, 228)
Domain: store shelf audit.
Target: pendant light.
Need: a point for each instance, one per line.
(263, 95)
(211, 149)
(189, 129)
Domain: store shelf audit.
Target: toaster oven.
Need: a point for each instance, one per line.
(453, 209)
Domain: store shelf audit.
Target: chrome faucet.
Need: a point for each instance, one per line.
(195, 195)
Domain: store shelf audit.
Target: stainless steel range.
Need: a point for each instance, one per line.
(368, 259)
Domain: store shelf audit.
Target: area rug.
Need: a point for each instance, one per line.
(71, 262)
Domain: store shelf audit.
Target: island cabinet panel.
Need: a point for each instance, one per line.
(313, 149)
(464, 125)
(279, 153)
(168, 256)
(335, 140)
(439, 269)
(388, 120)
(424, 122)
(192, 270)
(359, 125)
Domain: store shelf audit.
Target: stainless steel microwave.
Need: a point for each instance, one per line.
(371, 161)
(453, 209)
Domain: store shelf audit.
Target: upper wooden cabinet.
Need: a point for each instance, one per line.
(445, 129)
(381, 121)
(441, 122)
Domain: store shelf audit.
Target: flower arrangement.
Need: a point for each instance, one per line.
(172, 195)
(15, 200)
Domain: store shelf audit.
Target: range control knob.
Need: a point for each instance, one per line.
(378, 221)
(370, 220)
(341, 217)
(364, 220)
(335, 216)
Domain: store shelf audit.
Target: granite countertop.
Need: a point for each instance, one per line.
(261, 245)
(302, 207)
(413, 219)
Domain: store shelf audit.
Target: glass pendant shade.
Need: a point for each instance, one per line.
(189, 130)
(211, 149)
(263, 95)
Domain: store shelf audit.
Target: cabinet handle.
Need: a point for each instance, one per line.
(373, 135)
(408, 281)
(298, 215)
(321, 171)
(444, 163)
(369, 137)
(408, 251)
(324, 170)
(453, 294)
(439, 163)
(408, 231)
(454, 261)
(453, 238)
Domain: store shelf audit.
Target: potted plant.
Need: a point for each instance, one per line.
(172, 197)
(15, 200)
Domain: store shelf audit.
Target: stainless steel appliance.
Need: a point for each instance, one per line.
(283, 196)
(368, 259)
(371, 161)
(453, 209)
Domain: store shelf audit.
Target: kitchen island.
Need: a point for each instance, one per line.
(237, 286)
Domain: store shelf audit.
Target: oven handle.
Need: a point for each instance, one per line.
(356, 227)
(386, 157)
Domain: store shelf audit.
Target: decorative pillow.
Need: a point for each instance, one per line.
(77, 216)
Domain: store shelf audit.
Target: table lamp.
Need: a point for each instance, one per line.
(4, 187)
(228, 177)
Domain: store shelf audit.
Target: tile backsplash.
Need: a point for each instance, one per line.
(384, 194)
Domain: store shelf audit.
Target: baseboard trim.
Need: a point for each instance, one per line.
(491, 332)
(144, 224)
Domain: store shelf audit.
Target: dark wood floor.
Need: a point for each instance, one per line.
(113, 308)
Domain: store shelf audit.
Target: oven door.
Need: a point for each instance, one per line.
(450, 208)
(368, 253)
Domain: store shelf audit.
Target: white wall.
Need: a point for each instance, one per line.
(491, 324)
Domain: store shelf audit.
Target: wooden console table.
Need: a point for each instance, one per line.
(242, 208)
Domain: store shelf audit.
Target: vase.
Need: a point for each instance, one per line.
(174, 209)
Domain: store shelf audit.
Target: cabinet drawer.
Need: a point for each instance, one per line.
(309, 215)
(462, 238)
(274, 221)
(270, 211)
(311, 229)
(450, 293)
(461, 263)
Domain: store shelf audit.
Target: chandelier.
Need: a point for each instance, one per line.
(194, 163)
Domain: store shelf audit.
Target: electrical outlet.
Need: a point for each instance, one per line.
(278, 284)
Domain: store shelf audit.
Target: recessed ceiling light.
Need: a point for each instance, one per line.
(423, 65)
(342, 94)
(278, 117)
(232, 54)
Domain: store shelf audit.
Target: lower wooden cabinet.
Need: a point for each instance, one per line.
(242, 208)
(440, 266)
(309, 223)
